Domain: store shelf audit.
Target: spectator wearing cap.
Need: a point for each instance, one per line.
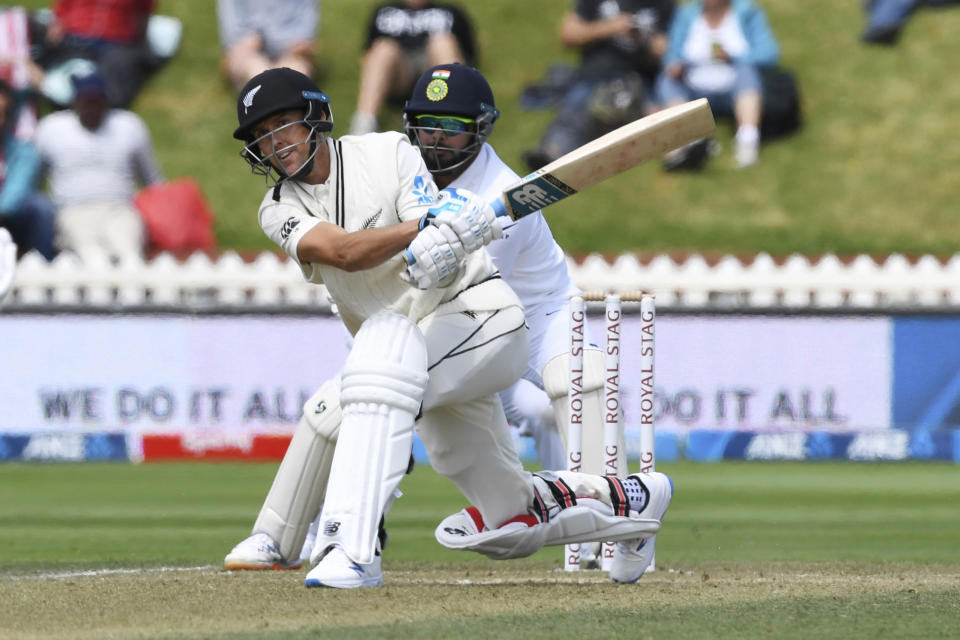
(95, 158)
(24, 212)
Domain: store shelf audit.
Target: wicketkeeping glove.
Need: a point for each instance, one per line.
(472, 219)
(434, 257)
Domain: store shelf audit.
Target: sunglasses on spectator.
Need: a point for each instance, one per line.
(451, 124)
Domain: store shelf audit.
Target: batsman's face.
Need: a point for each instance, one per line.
(283, 139)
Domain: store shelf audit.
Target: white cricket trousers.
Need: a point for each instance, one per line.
(471, 357)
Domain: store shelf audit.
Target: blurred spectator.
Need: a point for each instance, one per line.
(621, 44)
(405, 39)
(110, 35)
(93, 158)
(17, 67)
(261, 34)
(27, 214)
(8, 262)
(887, 18)
(716, 50)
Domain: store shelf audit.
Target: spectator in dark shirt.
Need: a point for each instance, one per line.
(404, 39)
(621, 44)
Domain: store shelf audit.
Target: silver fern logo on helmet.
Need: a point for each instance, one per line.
(248, 99)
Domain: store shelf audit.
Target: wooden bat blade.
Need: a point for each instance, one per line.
(607, 156)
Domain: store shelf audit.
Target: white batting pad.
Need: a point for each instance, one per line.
(301, 481)
(383, 383)
(587, 521)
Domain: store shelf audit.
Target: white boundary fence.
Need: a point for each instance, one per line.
(691, 283)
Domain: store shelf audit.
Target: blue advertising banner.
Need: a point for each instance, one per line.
(888, 444)
(63, 447)
(926, 372)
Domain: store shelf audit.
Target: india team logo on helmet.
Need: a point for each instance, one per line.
(463, 94)
(438, 88)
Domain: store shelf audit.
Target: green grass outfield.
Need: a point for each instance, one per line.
(755, 549)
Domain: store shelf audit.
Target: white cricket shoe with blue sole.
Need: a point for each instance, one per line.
(338, 571)
(632, 557)
(258, 552)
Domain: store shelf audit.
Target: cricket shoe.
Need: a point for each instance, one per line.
(258, 552)
(590, 555)
(632, 557)
(338, 571)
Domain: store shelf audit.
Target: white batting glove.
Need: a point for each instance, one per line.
(434, 257)
(472, 219)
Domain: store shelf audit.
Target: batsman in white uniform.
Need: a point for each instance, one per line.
(436, 337)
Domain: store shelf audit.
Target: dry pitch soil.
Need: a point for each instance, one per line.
(208, 602)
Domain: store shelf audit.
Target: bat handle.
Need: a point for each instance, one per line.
(499, 208)
(408, 258)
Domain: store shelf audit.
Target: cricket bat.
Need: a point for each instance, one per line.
(603, 158)
(607, 156)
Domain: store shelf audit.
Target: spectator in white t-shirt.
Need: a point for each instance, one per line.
(95, 158)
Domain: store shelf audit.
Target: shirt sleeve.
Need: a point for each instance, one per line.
(586, 9)
(417, 190)
(286, 224)
(463, 32)
(665, 16)
(373, 29)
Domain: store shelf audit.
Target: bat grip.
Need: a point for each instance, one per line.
(408, 258)
(499, 208)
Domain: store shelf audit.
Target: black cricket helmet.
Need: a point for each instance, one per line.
(275, 91)
(450, 90)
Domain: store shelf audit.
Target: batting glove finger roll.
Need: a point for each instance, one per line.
(434, 256)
